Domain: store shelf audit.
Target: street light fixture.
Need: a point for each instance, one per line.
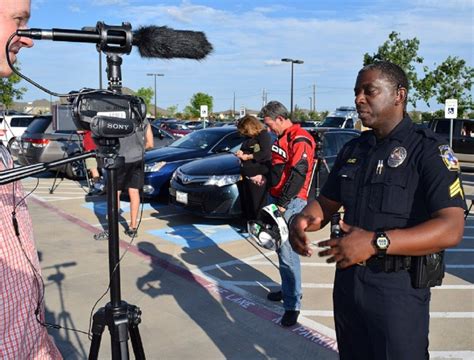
(292, 61)
(155, 75)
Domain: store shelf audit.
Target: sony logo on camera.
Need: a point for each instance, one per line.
(116, 126)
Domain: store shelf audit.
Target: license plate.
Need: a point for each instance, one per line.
(182, 197)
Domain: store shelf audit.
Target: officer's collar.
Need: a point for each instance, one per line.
(398, 133)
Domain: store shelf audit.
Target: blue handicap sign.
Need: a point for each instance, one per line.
(100, 207)
(195, 236)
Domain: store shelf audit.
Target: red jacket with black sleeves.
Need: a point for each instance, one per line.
(292, 165)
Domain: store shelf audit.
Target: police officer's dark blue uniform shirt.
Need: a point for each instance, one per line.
(396, 182)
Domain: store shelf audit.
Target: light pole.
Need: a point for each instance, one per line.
(292, 61)
(155, 75)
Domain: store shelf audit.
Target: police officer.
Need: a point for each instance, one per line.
(400, 189)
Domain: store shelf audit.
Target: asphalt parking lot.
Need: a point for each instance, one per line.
(201, 285)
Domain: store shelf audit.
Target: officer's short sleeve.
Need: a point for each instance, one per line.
(440, 178)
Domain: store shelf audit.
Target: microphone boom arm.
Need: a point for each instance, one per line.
(11, 175)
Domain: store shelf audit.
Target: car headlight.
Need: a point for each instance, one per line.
(174, 177)
(154, 166)
(222, 180)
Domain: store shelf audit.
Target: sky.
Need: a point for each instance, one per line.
(249, 39)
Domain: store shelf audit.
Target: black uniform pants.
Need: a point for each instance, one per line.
(253, 197)
(380, 315)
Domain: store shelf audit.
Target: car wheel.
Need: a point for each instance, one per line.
(76, 170)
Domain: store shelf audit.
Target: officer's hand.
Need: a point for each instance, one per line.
(355, 246)
(298, 239)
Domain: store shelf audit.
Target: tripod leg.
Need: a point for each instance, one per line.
(98, 325)
(54, 186)
(134, 320)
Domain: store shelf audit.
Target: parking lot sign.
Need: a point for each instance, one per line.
(204, 111)
(242, 111)
(451, 108)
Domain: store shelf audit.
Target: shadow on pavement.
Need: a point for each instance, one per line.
(64, 338)
(221, 321)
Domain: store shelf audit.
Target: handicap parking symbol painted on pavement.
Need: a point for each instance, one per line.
(100, 207)
(195, 236)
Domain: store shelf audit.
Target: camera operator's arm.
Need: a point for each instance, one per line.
(149, 143)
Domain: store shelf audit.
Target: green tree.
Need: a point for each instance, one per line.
(193, 110)
(404, 53)
(8, 92)
(146, 94)
(299, 114)
(172, 110)
(452, 79)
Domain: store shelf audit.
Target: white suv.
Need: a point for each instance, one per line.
(12, 126)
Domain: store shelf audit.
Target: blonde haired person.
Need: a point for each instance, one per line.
(255, 156)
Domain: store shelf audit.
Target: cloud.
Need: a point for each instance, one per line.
(273, 62)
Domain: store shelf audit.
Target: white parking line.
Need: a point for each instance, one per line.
(330, 285)
(459, 250)
(98, 225)
(433, 315)
(457, 355)
(308, 264)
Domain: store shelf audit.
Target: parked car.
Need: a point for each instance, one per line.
(12, 126)
(40, 143)
(209, 187)
(161, 163)
(161, 137)
(338, 121)
(176, 128)
(463, 139)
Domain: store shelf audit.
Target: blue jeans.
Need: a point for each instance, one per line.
(290, 267)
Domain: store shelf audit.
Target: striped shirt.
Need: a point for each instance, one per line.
(21, 336)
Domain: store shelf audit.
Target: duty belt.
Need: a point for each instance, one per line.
(387, 263)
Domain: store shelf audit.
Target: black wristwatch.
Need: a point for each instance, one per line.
(381, 243)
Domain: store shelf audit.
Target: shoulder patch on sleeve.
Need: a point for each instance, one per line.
(449, 159)
(456, 189)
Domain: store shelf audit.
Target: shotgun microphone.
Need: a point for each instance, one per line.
(152, 41)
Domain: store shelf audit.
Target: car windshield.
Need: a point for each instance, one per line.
(203, 140)
(333, 121)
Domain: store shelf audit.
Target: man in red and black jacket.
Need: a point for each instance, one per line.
(292, 171)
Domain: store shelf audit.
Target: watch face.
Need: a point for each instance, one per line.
(382, 242)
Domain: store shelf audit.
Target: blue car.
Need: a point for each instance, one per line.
(161, 163)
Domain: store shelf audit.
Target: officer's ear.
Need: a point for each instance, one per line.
(401, 95)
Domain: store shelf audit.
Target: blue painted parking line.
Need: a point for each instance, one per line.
(195, 236)
(100, 207)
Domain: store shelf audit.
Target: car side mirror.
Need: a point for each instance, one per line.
(222, 149)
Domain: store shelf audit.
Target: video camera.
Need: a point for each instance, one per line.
(106, 114)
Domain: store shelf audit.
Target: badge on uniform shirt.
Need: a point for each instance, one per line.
(397, 157)
(449, 159)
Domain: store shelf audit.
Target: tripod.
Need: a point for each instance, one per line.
(120, 317)
(320, 161)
